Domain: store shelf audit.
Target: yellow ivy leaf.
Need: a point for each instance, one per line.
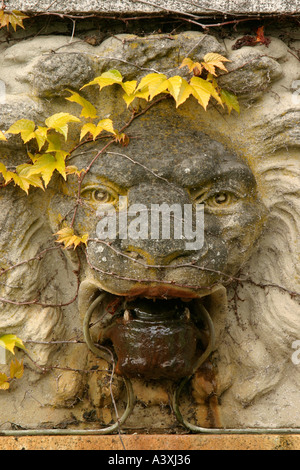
(82, 239)
(21, 177)
(202, 90)
(152, 84)
(61, 163)
(46, 164)
(4, 19)
(130, 90)
(129, 87)
(143, 94)
(54, 143)
(230, 100)
(212, 60)
(73, 170)
(24, 180)
(4, 384)
(215, 89)
(2, 136)
(89, 127)
(15, 18)
(180, 89)
(68, 238)
(195, 67)
(16, 369)
(106, 79)
(9, 342)
(151, 79)
(106, 125)
(59, 122)
(25, 127)
(158, 85)
(122, 139)
(64, 233)
(6, 174)
(129, 98)
(41, 136)
(88, 110)
(103, 125)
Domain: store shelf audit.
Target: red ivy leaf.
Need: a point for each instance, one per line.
(244, 41)
(260, 37)
(251, 40)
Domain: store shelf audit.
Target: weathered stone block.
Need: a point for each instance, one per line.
(154, 6)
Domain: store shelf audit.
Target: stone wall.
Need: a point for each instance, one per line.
(154, 6)
(252, 376)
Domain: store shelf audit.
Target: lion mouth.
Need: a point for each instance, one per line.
(153, 332)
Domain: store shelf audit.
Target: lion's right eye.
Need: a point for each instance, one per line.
(100, 195)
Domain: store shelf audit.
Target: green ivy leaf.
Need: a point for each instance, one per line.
(230, 100)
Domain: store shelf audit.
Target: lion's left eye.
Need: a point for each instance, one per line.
(214, 199)
(220, 199)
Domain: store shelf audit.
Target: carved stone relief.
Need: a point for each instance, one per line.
(243, 168)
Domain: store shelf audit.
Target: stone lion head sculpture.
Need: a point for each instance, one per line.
(242, 170)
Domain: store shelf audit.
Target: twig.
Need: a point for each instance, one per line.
(294, 55)
(136, 115)
(133, 117)
(43, 304)
(229, 278)
(214, 25)
(51, 4)
(37, 257)
(147, 281)
(75, 341)
(168, 10)
(148, 170)
(67, 369)
(213, 10)
(123, 61)
(115, 405)
(73, 31)
(83, 176)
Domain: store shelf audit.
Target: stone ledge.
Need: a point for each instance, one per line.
(163, 442)
(154, 6)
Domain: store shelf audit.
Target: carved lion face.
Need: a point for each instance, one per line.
(178, 167)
